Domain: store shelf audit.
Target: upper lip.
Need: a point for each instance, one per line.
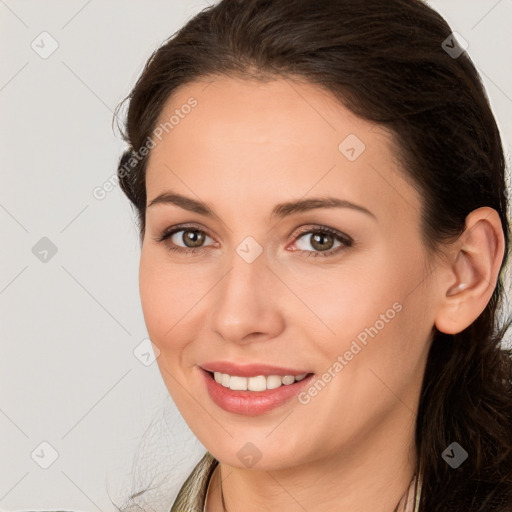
(250, 370)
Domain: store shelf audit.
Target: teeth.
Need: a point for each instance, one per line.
(288, 379)
(274, 381)
(238, 383)
(259, 383)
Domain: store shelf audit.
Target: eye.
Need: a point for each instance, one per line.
(191, 237)
(190, 240)
(322, 239)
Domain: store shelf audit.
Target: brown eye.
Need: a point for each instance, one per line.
(184, 239)
(322, 240)
(192, 237)
(190, 240)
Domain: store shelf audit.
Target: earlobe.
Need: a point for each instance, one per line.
(472, 273)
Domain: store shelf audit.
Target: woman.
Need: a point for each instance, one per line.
(320, 188)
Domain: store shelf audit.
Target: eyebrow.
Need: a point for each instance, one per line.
(280, 210)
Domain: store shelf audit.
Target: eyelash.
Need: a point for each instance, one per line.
(345, 239)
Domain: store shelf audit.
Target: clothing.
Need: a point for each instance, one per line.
(192, 495)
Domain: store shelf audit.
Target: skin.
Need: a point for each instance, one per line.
(244, 148)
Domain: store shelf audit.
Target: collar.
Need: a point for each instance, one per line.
(192, 495)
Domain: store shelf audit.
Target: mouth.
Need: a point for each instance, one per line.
(256, 383)
(252, 395)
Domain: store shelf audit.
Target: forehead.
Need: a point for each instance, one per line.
(276, 113)
(271, 141)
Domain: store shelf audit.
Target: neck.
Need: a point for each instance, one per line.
(370, 476)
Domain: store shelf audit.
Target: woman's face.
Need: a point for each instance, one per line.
(264, 284)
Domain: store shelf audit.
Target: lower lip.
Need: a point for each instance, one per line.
(251, 403)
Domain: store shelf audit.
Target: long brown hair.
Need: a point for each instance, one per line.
(394, 63)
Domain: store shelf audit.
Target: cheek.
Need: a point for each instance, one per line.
(377, 309)
(349, 298)
(152, 290)
(160, 297)
(170, 296)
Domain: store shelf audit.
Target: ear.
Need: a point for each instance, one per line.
(471, 272)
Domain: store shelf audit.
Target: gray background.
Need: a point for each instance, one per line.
(71, 321)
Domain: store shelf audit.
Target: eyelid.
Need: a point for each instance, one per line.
(346, 240)
(172, 230)
(314, 228)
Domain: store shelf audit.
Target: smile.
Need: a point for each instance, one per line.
(252, 396)
(258, 383)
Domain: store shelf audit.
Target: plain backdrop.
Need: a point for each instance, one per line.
(84, 417)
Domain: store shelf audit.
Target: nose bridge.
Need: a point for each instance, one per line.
(245, 301)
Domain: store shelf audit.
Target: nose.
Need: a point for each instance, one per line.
(247, 302)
